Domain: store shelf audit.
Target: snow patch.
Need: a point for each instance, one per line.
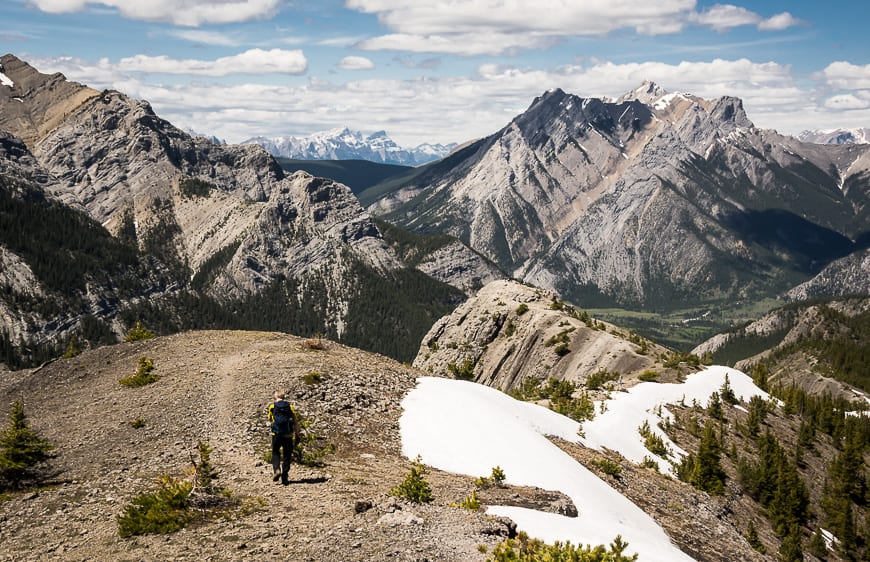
(6, 81)
(617, 427)
(468, 428)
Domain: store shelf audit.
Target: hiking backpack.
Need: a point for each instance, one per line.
(282, 418)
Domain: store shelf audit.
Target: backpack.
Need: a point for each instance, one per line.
(282, 418)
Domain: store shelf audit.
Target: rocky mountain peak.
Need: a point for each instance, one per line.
(648, 92)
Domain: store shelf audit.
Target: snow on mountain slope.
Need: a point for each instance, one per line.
(344, 144)
(836, 136)
(469, 428)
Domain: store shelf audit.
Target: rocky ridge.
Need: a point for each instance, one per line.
(223, 222)
(511, 332)
(214, 387)
(649, 199)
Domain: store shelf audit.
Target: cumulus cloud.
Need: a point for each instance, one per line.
(489, 27)
(847, 76)
(185, 12)
(846, 102)
(253, 61)
(725, 16)
(355, 63)
(779, 22)
(206, 37)
(475, 27)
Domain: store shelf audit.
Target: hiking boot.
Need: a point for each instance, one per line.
(276, 476)
(285, 479)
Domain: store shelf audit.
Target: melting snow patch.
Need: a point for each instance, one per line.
(6, 81)
(468, 428)
(665, 101)
(617, 427)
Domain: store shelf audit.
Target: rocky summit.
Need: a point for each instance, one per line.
(647, 200)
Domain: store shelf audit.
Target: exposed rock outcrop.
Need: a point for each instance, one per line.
(510, 332)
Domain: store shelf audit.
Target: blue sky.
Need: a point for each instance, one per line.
(445, 70)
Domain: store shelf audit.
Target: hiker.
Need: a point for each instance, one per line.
(285, 434)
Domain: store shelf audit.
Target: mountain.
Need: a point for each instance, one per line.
(509, 333)
(236, 241)
(358, 175)
(342, 509)
(344, 144)
(836, 136)
(655, 200)
(820, 345)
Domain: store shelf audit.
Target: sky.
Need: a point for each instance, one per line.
(445, 70)
(468, 428)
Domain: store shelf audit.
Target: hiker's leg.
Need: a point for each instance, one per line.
(288, 455)
(276, 454)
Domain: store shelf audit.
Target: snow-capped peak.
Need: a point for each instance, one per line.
(5, 80)
(836, 136)
(346, 144)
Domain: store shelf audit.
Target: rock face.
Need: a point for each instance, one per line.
(846, 276)
(223, 221)
(510, 332)
(787, 340)
(648, 199)
(344, 144)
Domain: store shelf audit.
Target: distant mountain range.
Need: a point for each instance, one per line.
(836, 136)
(344, 144)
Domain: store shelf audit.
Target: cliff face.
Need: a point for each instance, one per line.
(511, 332)
(222, 222)
(648, 199)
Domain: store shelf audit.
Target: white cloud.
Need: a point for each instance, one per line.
(845, 75)
(492, 27)
(846, 101)
(779, 22)
(722, 17)
(253, 61)
(206, 37)
(448, 109)
(355, 63)
(183, 12)
(474, 27)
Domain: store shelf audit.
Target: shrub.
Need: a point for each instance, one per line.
(598, 379)
(204, 473)
(193, 187)
(649, 462)
(522, 309)
(510, 328)
(522, 549)
(414, 488)
(138, 333)
(471, 503)
(316, 342)
(72, 348)
(648, 376)
(144, 374)
(609, 467)
(653, 441)
(562, 349)
(312, 378)
(311, 447)
(496, 478)
(21, 449)
(464, 371)
(137, 423)
(163, 511)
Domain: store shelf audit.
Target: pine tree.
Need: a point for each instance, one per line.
(727, 393)
(714, 406)
(707, 473)
(752, 538)
(21, 449)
